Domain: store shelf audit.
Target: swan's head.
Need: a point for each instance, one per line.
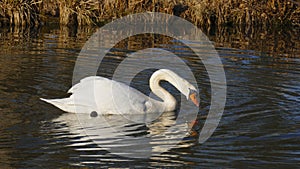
(189, 91)
(186, 88)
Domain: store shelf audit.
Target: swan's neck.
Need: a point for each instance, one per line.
(169, 102)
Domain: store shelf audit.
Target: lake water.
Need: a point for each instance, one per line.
(260, 126)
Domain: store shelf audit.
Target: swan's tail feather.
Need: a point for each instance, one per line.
(69, 105)
(65, 104)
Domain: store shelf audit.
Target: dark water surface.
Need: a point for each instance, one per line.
(260, 126)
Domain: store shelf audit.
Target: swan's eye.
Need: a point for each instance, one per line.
(192, 91)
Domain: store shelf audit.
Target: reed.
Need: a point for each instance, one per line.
(22, 12)
(240, 12)
(204, 13)
(78, 12)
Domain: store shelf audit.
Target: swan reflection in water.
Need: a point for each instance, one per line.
(122, 136)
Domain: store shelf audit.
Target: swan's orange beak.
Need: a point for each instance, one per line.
(194, 99)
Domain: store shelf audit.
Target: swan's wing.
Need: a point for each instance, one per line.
(124, 99)
(108, 96)
(82, 99)
(88, 82)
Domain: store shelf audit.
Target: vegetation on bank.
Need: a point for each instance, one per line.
(204, 13)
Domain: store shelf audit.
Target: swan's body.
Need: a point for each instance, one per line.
(107, 96)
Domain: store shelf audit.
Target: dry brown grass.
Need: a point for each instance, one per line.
(22, 12)
(241, 12)
(207, 13)
(204, 13)
(78, 12)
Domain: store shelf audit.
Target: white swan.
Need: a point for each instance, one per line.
(105, 96)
